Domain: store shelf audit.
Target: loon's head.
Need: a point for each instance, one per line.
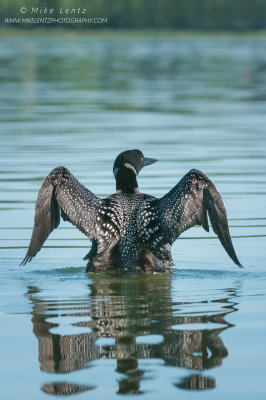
(127, 166)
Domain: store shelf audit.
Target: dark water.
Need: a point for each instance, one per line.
(190, 102)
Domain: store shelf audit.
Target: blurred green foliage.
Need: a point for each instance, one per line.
(204, 15)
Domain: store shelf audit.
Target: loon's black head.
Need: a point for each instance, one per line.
(127, 166)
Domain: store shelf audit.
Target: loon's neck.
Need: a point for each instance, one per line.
(126, 180)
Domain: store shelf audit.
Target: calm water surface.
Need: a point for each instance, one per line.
(190, 102)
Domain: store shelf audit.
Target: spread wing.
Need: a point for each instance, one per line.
(61, 193)
(188, 204)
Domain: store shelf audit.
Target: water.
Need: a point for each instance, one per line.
(190, 102)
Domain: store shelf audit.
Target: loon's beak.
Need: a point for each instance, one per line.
(148, 161)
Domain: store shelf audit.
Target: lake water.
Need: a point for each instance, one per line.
(191, 102)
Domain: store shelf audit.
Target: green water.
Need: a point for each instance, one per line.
(190, 102)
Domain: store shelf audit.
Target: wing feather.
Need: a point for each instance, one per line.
(188, 204)
(61, 191)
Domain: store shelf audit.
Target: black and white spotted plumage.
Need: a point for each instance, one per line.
(61, 193)
(188, 204)
(129, 229)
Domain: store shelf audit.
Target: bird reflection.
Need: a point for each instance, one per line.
(65, 388)
(196, 382)
(125, 308)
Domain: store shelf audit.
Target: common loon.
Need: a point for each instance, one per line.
(129, 229)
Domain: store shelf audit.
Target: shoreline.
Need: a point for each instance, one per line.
(5, 32)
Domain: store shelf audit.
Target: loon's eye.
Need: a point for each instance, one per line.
(141, 159)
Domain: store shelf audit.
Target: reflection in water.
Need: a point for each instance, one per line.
(134, 312)
(196, 382)
(65, 388)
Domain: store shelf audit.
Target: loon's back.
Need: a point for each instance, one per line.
(120, 217)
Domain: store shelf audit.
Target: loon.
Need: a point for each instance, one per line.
(129, 230)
